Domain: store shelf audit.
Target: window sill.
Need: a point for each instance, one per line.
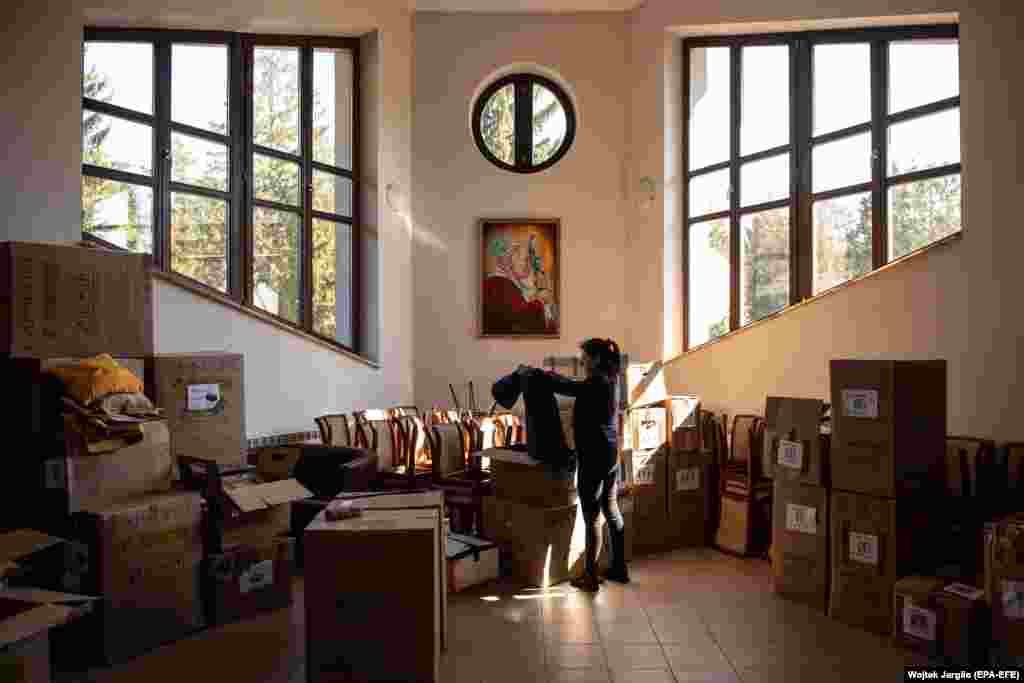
(939, 244)
(217, 297)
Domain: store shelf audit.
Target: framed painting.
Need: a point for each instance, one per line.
(519, 278)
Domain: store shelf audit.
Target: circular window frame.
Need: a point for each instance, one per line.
(518, 79)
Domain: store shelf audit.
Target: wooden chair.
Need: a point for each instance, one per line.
(512, 429)
(336, 430)
(379, 434)
(464, 486)
(745, 518)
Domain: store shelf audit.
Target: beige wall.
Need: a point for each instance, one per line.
(289, 381)
(455, 186)
(953, 303)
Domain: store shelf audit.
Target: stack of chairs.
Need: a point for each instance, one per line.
(746, 494)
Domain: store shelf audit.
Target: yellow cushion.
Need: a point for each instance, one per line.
(93, 378)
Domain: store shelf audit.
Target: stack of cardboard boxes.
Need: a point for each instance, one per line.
(888, 437)
(799, 464)
(534, 518)
(665, 468)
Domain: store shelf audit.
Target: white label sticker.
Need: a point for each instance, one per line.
(791, 454)
(650, 423)
(259, 575)
(964, 591)
(801, 518)
(55, 474)
(643, 469)
(1013, 599)
(203, 396)
(861, 403)
(688, 479)
(863, 548)
(918, 621)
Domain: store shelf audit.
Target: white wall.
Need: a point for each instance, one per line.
(455, 186)
(955, 303)
(289, 381)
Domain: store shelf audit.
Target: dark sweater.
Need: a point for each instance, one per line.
(595, 425)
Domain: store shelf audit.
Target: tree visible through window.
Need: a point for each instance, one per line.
(523, 123)
(872, 175)
(243, 194)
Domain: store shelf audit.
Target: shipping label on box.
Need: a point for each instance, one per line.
(203, 399)
(918, 621)
(688, 479)
(864, 548)
(860, 403)
(258, 576)
(791, 454)
(1012, 599)
(801, 518)
(650, 427)
(644, 468)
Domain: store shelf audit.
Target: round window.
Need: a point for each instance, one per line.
(523, 123)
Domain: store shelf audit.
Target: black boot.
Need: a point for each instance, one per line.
(617, 572)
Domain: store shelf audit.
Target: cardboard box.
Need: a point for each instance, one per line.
(251, 511)
(26, 617)
(245, 580)
(143, 557)
(80, 480)
(874, 542)
(17, 548)
(419, 500)
(888, 425)
(918, 623)
(967, 633)
(800, 568)
(203, 397)
(1007, 562)
(687, 482)
(673, 421)
(66, 300)
(518, 477)
(470, 561)
(794, 440)
(373, 585)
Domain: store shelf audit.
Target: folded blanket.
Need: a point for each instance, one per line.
(90, 380)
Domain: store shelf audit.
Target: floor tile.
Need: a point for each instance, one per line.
(635, 628)
(580, 629)
(645, 676)
(591, 675)
(704, 656)
(575, 656)
(634, 656)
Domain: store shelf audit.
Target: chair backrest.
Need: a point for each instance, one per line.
(449, 449)
(335, 430)
(968, 462)
(417, 441)
(380, 434)
(490, 433)
(744, 435)
(404, 411)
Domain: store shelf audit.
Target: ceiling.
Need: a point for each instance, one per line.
(520, 6)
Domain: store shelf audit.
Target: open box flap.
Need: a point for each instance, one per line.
(24, 542)
(30, 611)
(650, 389)
(283, 491)
(395, 501)
(510, 456)
(246, 498)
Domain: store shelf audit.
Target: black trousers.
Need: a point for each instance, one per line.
(598, 492)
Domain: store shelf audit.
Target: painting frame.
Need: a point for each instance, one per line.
(493, 321)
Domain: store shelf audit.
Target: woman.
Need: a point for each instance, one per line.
(596, 432)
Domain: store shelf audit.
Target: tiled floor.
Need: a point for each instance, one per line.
(689, 616)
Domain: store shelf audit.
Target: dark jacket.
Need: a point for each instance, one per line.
(545, 440)
(595, 419)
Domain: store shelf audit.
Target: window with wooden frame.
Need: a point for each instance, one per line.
(812, 158)
(231, 159)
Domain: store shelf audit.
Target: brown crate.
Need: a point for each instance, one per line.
(198, 431)
(967, 627)
(888, 425)
(87, 480)
(246, 580)
(372, 583)
(687, 484)
(1007, 562)
(509, 522)
(800, 569)
(66, 300)
(673, 421)
(744, 527)
(918, 623)
(517, 477)
(874, 542)
(797, 421)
